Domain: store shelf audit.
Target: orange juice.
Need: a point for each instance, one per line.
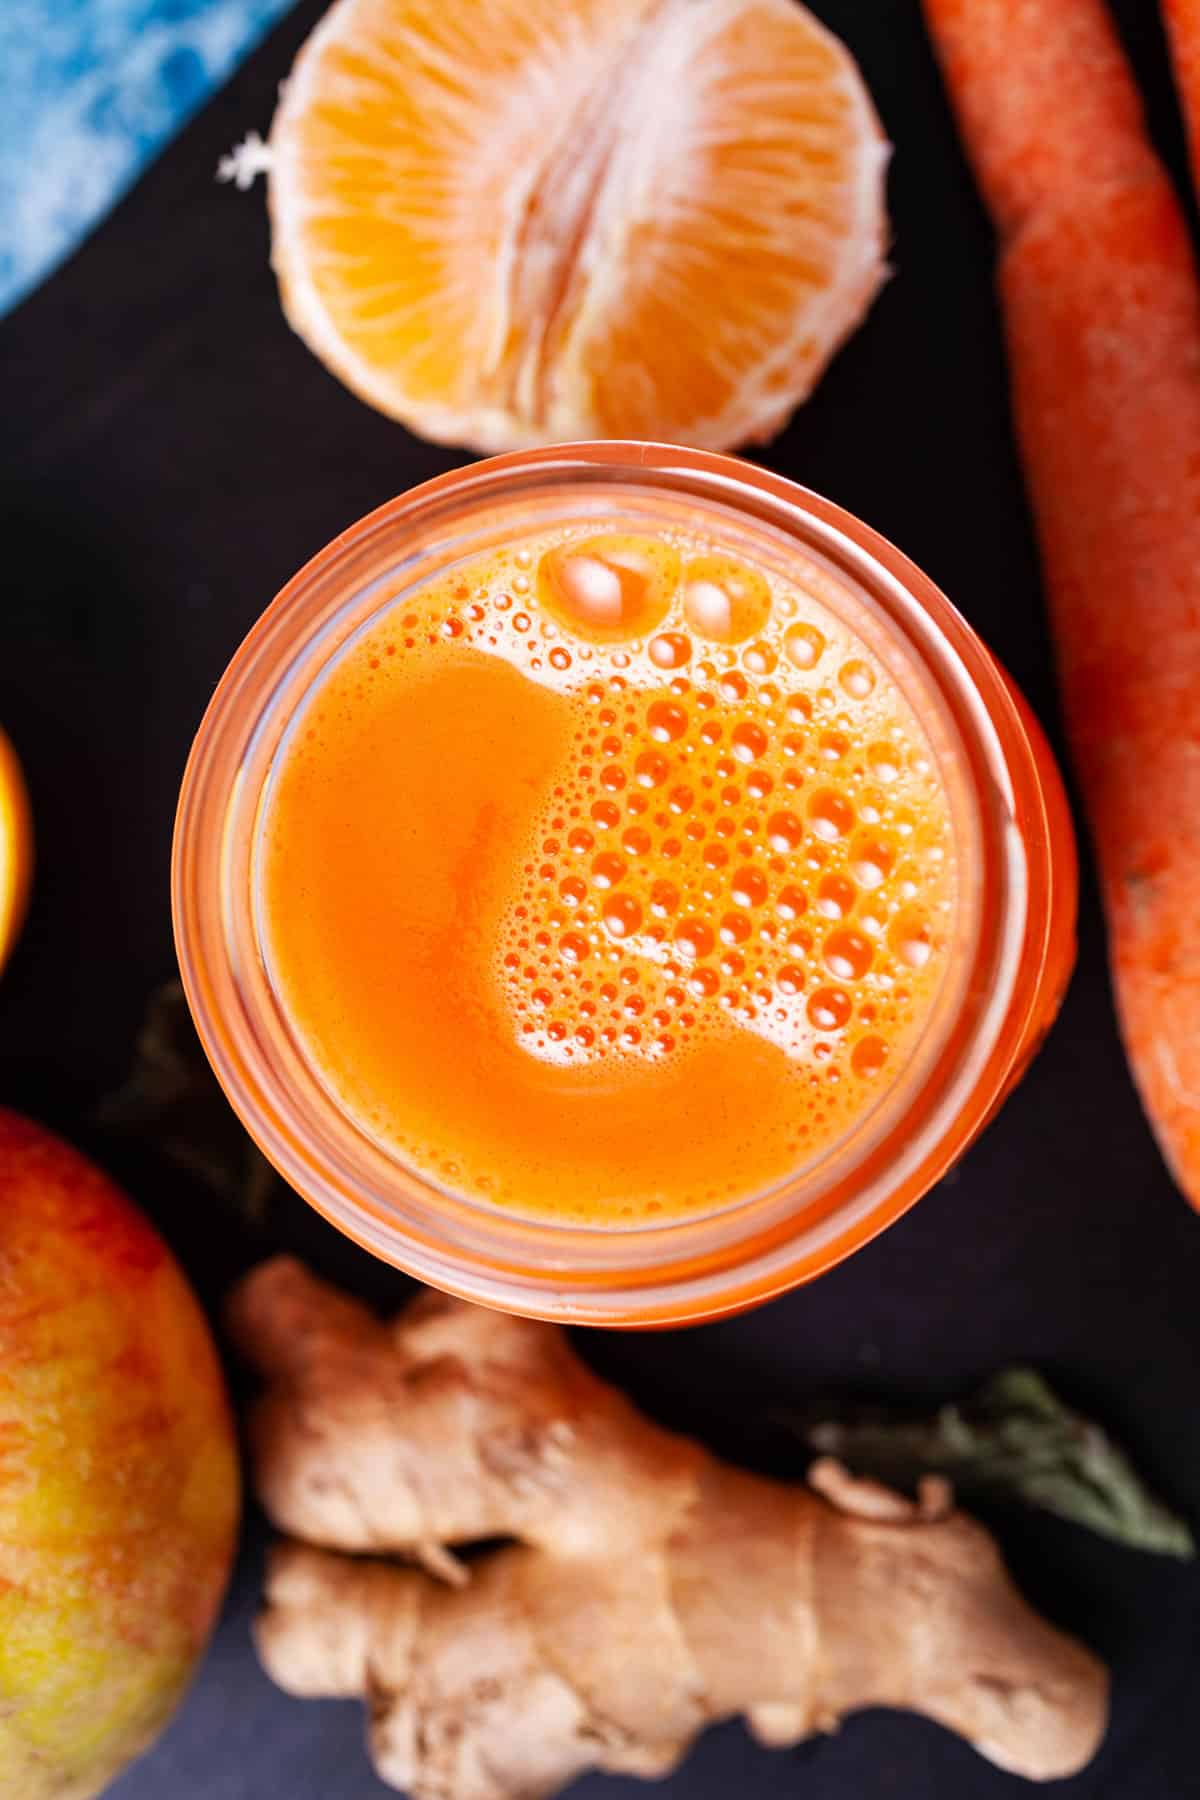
(608, 876)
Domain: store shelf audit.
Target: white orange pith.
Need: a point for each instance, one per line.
(513, 222)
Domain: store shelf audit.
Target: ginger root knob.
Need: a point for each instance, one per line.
(644, 1589)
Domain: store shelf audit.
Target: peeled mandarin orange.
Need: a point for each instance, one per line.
(514, 222)
(16, 847)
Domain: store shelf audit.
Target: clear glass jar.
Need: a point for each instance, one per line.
(1012, 955)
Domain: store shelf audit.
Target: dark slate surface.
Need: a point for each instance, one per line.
(169, 454)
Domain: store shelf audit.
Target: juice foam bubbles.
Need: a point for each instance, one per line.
(610, 875)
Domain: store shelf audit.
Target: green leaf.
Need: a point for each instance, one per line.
(1014, 1440)
(172, 1103)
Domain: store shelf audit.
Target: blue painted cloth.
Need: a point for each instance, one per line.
(90, 90)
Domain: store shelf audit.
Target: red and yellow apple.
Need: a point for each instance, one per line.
(118, 1474)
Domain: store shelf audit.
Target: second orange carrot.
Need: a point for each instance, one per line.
(1102, 317)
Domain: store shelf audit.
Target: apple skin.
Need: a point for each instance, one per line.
(119, 1484)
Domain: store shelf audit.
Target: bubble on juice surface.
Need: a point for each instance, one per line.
(622, 915)
(724, 599)
(856, 678)
(785, 832)
(614, 587)
(748, 887)
(694, 938)
(670, 650)
(911, 938)
(830, 815)
(871, 859)
(760, 658)
(869, 1056)
(749, 740)
(803, 645)
(836, 896)
(848, 954)
(651, 769)
(666, 721)
(883, 762)
(829, 1009)
(607, 869)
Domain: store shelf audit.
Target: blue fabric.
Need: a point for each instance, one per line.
(90, 90)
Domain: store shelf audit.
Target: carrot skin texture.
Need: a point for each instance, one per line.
(1102, 318)
(1182, 20)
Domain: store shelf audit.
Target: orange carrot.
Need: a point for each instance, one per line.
(1182, 18)
(1102, 317)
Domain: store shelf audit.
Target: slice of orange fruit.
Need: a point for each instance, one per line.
(514, 222)
(16, 847)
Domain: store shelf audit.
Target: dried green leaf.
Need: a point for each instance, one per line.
(1013, 1441)
(173, 1103)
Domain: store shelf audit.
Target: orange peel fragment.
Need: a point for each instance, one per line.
(16, 848)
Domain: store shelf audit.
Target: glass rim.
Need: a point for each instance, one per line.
(688, 1267)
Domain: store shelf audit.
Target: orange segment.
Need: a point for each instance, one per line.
(511, 222)
(16, 847)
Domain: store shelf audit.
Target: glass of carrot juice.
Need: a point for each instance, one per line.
(612, 883)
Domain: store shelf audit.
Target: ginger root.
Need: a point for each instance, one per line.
(644, 1589)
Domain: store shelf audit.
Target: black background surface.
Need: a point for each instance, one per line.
(169, 455)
